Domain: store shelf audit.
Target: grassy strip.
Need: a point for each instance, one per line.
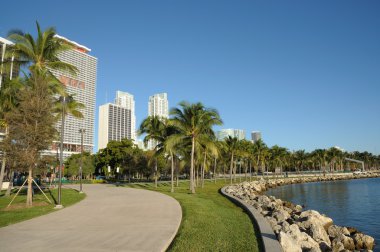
(18, 212)
(210, 222)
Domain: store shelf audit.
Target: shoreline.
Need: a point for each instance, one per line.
(295, 229)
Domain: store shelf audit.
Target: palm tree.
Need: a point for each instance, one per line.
(278, 155)
(153, 127)
(260, 151)
(232, 144)
(194, 122)
(43, 51)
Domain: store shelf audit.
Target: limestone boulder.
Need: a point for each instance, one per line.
(288, 244)
(363, 241)
(348, 242)
(281, 215)
(314, 217)
(304, 240)
(319, 234)
(334, 230)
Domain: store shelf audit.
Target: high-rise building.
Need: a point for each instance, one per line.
(158, 105)
(83, 87)
(255, 136)
(116, 121)
(127, 101)
(224, 133)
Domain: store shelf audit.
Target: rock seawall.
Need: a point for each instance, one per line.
(299, 230)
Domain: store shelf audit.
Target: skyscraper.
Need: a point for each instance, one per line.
(117, 121)
(158, 105)
(256, 136)
(224, 133)
(127, 101)
(83, 87)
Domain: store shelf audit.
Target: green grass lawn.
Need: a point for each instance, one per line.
(210, 222)
(18, 212)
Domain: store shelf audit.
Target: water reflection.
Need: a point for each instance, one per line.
(353, 203)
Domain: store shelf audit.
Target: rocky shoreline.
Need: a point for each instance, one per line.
(299, 230)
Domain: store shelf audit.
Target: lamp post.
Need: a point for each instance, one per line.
(81, 131)
(63, 100)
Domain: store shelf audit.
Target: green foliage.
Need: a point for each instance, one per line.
(73, 163)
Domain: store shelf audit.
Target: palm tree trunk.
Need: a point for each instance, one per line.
(192, 167)
(155, 174)
(29, 197)
(177, 168)
(171, 153)
(250, 171)
(231, 166)
(246, 170)
(203, 170)
(215, 171)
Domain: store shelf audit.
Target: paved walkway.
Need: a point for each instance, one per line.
(109, 219)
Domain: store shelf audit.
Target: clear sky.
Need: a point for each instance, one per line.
(304, 73)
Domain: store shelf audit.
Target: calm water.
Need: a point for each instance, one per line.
(354, 203)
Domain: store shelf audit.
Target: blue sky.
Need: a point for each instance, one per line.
(305, 73)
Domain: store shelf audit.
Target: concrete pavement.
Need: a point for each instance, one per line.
(109, 219)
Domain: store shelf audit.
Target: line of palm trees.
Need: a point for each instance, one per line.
(38, 56)
(188, 137)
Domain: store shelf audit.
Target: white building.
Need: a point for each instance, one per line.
(255, 136)
(117, 121)
(158, 105)
(224, 133)
(126, 100)
(83, 87)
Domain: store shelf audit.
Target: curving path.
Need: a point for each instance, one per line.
(109, 219)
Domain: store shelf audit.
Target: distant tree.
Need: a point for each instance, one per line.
(73, 163)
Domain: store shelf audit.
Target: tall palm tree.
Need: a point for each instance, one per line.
(232, 144)
(260, 151)
(153, 127)
(194, 122)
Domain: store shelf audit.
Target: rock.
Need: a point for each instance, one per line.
(298, 208)
(337, 247)
(324, 247)
(272, 221)
(315, 217)
(363, 241)
(319, 234)
(277, 229)
(352, 230)
(288, 244)
(303, 239)
(263, 200)
(348, 242)
(285, 226)
(335, 230)
(280, 215)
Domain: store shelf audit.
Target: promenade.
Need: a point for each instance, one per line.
(109, 219)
